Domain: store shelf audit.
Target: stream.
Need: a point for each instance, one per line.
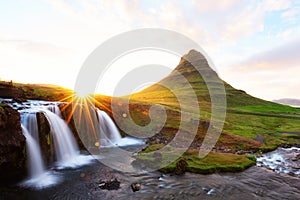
(270, 179)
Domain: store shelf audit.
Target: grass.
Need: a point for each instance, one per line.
(272, 108)
(40, 91)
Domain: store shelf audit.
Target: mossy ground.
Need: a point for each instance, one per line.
(213, 162)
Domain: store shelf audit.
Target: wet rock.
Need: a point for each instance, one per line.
(12, 145)
(109, 185)
(136, 187)
(19, 100)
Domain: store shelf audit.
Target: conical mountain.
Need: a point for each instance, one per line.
(195, 70)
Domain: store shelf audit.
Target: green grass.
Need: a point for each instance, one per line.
(272, 108)
(43, 91)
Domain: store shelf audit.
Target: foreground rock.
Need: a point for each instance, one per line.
(12, 145)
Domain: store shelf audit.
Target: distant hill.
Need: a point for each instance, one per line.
(287, 101)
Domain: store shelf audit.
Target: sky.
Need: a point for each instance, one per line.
(253, 44)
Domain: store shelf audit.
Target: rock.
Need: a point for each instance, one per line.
(19, 100)
(12, 145)
(136, 187)
(109, 185)
(181, 165)
(46, 145)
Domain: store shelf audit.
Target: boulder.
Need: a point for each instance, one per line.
(135, 187)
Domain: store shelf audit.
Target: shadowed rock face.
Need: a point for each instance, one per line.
(12, 145)
(47, 148)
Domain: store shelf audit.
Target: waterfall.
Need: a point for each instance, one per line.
(29, 121)
(110, 134)
(65, 145)
(55, 109)
(36, 165)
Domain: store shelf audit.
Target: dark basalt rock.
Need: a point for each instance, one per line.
(12, 146)
(46, 145)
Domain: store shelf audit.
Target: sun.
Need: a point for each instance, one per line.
(82, 94)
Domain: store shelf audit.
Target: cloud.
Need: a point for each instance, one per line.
(284, 56)
(35, 48)
(275, 5)
(269, 75)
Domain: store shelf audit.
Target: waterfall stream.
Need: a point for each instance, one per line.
(66, 147)
(36, 165)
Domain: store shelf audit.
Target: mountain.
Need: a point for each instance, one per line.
(251, 124)
(287, 101)
(188, 71)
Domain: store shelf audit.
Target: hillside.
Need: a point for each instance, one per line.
(251, 124)
(20, 91)
(247, 116)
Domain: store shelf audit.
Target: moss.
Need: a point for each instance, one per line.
(48, 139)
(3, 105)
(153, 147)
(213, 162)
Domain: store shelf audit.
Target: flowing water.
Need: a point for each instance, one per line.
(66, 147)
(83, 183)
(36, 164)
(110, 135)
(276, 176)
(109, 132)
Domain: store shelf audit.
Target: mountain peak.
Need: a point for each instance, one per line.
(194, 57)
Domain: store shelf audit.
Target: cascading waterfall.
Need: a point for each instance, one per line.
(110, 134)
(64, 142)
(66, 149)
(36, 165)
(29, 121)
(65, 146)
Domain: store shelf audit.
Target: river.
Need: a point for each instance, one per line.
(264, 181)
